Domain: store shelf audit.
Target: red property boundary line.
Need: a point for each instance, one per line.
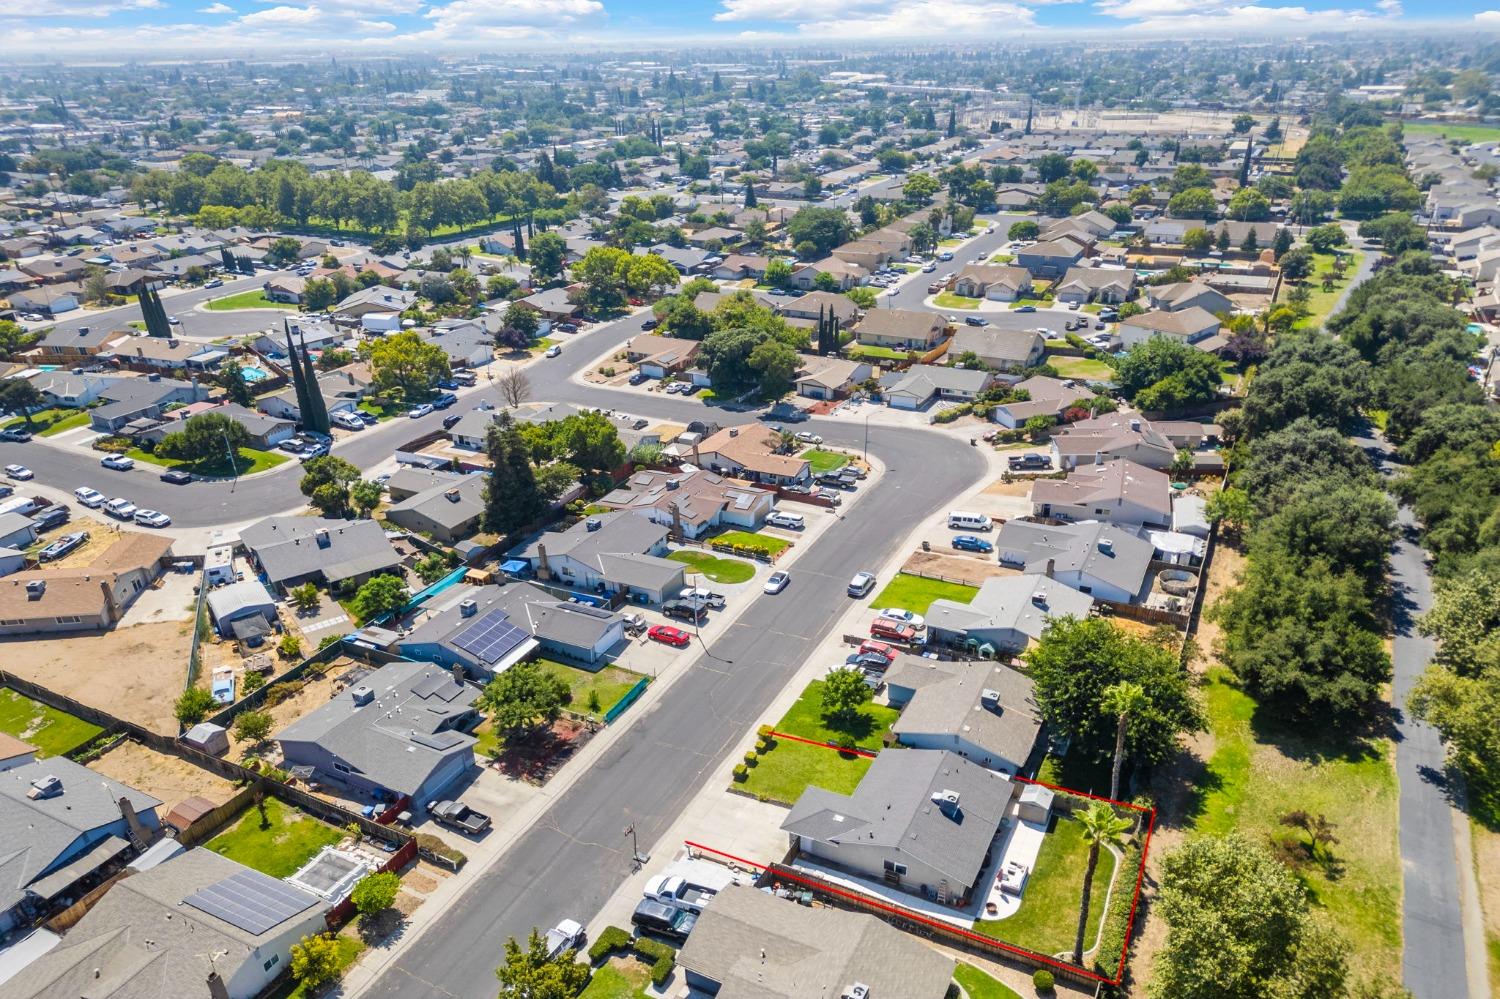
(1140, 877)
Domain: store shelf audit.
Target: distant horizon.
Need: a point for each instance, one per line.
(174, 31)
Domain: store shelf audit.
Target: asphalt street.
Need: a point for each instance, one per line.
(195, 325)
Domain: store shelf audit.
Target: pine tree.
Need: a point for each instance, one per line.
(1029, 109)
(952, 122)
(749, 192)
(511, 498)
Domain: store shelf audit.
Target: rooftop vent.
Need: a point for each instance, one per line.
(673, 484)
(1135, 425)
(734, 431)
(451, 495)
(468, 608)
(989, 698)
(35, 588)
(322, 535)
(945, 799)
(593, 524)
(362, 695)
(45, 787)
(1106, 546)
(859, 990)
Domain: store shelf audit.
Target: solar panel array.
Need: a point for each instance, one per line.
(491, 637)
(252, 901)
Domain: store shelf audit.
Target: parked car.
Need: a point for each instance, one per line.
(776, 582)
(904, 616)
(62, 546)
(451, 420)
(1026, 462)
(444, 400)
(786, 521)
(1026, 308)
(639, 378)
(213, 283)
(457, 815)
(651, 324)
(871, 647)
(120, 507)
(707, 597)
(91, 498)
(969, 543)
(176, 477)
(419, 411)
(868, 662)
(976, 321)
(152, 518)
(566, 935)
(635, 622)
(657, 917)
(16, 435)
(554, 350)
(895, 631)
(19, 472)
(118, 462)
(833, 498)
(668, 635)
(685, 610)
(55, 515)
(465, 378)
(347, 420)
(862, 583)
(292, 445)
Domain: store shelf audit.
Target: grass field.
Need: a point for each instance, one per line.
(948, 300)
(915, 593)
(1463, 133)
(789, 768)
(46, 422)
(1047, 920)
(621, 978)
(609, 684)
(824, 461)
(760, 542)
(718, 570)
(52, 732)
(1082, 368)
(246, 300)
(806, 719)
(978, 985)
(1322, 301)
(277, 845)
(877, 353)
(1258, 773)
(381, 413)
(249, 461)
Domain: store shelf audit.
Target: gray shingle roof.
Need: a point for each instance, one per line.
(288, 547)
(453, 503)
(1077, 548)
(528, 606)
(948, 700)
(617, 534)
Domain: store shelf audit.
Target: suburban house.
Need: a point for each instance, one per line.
(51, 300)
(1001, 349)
(920, 384)
(827, 303)
(691, 500)
(76, 344)
(751, 452)
(399, 731)
(553, 304)
(468, 345)
(997, 282)
(753, 944)
(1113, 435)
(1007, 614)
(342, 392)
(1118, 490)
(920, 820)
(1050, 258)
(846, 274)
(1049, 397)
(901, 329)
(67, 823)
(242, 609)
(285, 288)
(660, 356)
(1105, 561)
(448, 510)
(1191, 325)
(195, 926)
(1108, 285)
(265, 431)
(289, 551)
(63, 388)
(1183, 295)
(149, 353)
(738, 266)
(985, 712)
(830, 377)
(82, 598)
(16, 530)
(487, 629)
(128, 399)
(608, 553)
(377, 301)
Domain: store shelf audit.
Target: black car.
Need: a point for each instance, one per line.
(651, 916)
(451, 419)
(976, 321)
(176, 476)
(55, 515)
(650, 324)
(683, 610)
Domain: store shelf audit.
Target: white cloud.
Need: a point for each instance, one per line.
(1488, 18)
(281, 17)
(217, 8)
(72, 8)
(1391, 8)
(1175, 16)
(865, 19)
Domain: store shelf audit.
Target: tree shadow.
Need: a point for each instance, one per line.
(857, 727)
(387, 926)
(1183, 785)
(1319, 741)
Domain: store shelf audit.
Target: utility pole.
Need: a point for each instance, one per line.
(234, 465)
(637, 858)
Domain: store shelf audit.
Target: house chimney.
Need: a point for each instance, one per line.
(1098, 457)
(1135, 425)
(216, 988)
(1051, 568)
(451, 495)
(734, 431)
(1106, 546)
(458, 674)
(543, 570)
(140, 836)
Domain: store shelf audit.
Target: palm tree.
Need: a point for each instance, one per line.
(1122, 700)
(1101, 827)
(464, 253)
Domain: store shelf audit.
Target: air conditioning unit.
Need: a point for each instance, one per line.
(989, 698)
(468, 608)
(859, 990)
(362, 695)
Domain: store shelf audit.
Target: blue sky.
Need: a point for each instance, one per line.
(212, 28)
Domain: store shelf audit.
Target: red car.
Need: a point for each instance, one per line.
(878, 648)
(668, 635)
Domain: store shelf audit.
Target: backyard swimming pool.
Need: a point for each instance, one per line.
(253, 374)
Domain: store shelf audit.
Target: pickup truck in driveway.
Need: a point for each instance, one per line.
(679, 893)
(566, 935)
(459, 816)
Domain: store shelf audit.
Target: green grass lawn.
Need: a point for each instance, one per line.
(718, 570)
(824, 461)
(1259, 773)
(874, 353)
(1093, 307)
(46, 422)
(916, 594)
(283, 843)
(621, 978)
(52, 732)
(249, 461)
(1035, 303)
(761, 542)
(1463, 133)
(610, 684)
(806, 718)
(788, 768)
(489, 741)
(979, 985)
(948, 300)
(951, 241)
(1001, 258)
(381, 413)
(350, 947)
(1047, 920)
(1081, 368)
(1322, 301)
(246, 300)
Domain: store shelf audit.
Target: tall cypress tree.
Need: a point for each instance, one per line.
(1245, 166)
(1029, 109)
(952, 122)
(317, 416)
(511, 498)
(299, 385)
(749, 192)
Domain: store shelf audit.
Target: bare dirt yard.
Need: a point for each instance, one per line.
(302, 696)
(964, 569)
(135, 673)
(166, 777)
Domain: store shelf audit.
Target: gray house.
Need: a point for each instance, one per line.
(920, 384)
(920, 820)
(294, 550)
(136, 398)
(608, 553)
(400, 731)
(448, 509)
(1106, 561)
(984, 712)
(1007, 614)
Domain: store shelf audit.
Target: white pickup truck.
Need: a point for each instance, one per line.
(566, 935)
(678, 893)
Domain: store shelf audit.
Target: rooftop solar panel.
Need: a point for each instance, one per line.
(490, 637)
(251, 901)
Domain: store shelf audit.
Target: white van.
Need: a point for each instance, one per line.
(961, 521)
(789, 521)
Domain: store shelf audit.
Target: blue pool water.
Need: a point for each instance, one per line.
(253, 374)
(1475, 328)
(48, 367)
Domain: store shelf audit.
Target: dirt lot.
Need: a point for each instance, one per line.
(1228, 562)
(963, 568)
(314, 692)
(101, 536)
(134, 673)
(162, 776)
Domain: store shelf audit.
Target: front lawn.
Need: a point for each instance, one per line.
(248, 461)
(1082, 368)
(246, 300)
(624, 977)
(718, 570)
(759, 542)
(916, 593)
(789, 768)
(274, 838)
(874, 353)
(978, 985)
(46, 422)
(1047, 920)
(381, 413)
(805, 718)
(52, 732)
(824, 461)
(948, 300)
(608, 685)
(1260, 771)
(1321, 302)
